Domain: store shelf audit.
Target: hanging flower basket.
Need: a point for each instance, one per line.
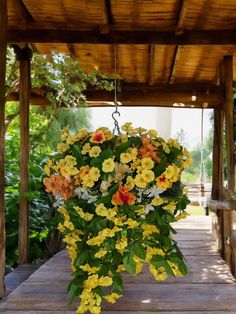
(117, 195)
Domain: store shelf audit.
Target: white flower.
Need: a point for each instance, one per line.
(120, 171)
(153, 192)
(84, 195)
(58, 201)
(148, 208)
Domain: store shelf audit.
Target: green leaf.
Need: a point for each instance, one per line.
(97, 224)
(122, 148)
(118, 283)
(129, 263)
(107, 153)
(75, 149)
(82, 258)
(96, 162)
(139, 250)
(113, 189)
(159, 261)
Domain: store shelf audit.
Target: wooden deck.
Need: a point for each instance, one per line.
(209, 287)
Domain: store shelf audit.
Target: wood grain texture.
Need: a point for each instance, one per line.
(208, 288)
(3, 33)
(25, 86)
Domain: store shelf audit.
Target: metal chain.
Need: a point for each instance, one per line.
(116, 112)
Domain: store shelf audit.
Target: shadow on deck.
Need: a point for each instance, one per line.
(208, 288)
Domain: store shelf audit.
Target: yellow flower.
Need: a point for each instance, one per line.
(82, 134)
(69, 225)
(157, 201)
(101, 210)
(92, 282)
(125, 158)
(133, 152)
(71, 139)
(101, 253)
(90, 270)
(152, 133)
(105, 281)
(148, 175)
(95, 151)
(127, 127)
(85, 149)
(82, 214)
(64, 134)
(108, 165)
(87, 182)
(70, 161)
(135, 164)
(123, 138)
(149, 229)
(62, 147)
(140, 130)
(187, 160)
(174, 143)
(139, 265)
(132, 223)
(121, 245)
(166, 148)
(94, 173)
(140, 181)
(112, 297)
(61, 228)
(172, 173)
(170, 207)
(47, 170)
(147, 163)
(159, 274)
(130, 183)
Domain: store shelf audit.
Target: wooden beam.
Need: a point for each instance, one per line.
(107, 17)
(22, 11)
(182, 14)
(174, 65)
(190, 37)
(150, 63)
(3, 51)
(144, 95)
(24, 56)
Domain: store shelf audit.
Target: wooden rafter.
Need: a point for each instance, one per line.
(150, 63)
(107, 17)
(192, 37)
(182, 14)
(22, 11)
(174, 65)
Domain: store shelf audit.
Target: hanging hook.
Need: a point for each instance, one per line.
(116, 112)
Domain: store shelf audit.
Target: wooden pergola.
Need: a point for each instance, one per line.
(165, 53)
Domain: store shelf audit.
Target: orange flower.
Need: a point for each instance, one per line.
(98, 137)
(58, 184)
(123, 196)
(148, 149)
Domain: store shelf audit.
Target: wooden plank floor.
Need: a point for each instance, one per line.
(209, 288)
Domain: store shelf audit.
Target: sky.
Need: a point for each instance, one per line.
(167, 121)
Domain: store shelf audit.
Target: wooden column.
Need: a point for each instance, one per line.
(24, 56)
(217, 176)
(3, 49)
(228, 112)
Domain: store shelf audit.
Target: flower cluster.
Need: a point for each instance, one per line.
(117, 195)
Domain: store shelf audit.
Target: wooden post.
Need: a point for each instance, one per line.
(24, 55)
(217, 175)
(227, 215)
(3, 50)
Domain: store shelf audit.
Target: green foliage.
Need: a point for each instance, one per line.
(63, 82)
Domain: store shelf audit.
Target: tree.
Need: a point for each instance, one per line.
(63, 82)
